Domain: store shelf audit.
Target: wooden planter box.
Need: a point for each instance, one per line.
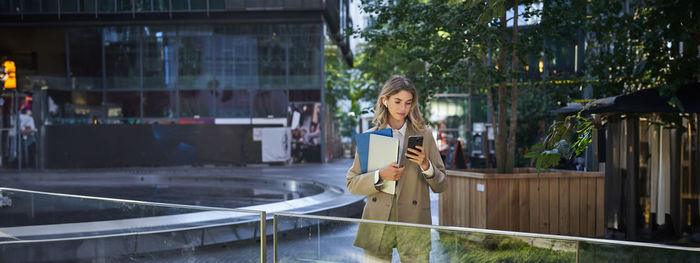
(558, 202)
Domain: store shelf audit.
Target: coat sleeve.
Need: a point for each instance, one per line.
(359, 183)
(438, 182)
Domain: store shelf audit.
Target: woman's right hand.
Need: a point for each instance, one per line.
(392, 172)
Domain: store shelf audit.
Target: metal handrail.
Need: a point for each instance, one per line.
(195, 207)
(491, 231)
(262, 214)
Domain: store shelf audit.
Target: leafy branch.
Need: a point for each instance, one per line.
(565, 139)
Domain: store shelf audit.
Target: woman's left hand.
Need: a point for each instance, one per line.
(418, 157)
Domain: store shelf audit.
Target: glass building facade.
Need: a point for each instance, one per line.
(141, 74)
(150, 82)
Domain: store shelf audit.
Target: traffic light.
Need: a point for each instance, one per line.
(9, 75)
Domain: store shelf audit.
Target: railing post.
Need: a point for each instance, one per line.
(274, 238)
(263, 237)
(318, 236)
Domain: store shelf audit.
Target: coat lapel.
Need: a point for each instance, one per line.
(404, 161)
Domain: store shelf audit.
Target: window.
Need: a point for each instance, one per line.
(304, 95)
(142, 5)
(158, 104)
(86, 70)
(269, 104)
(233, 103)
(105, 5)
(161, 5)
(217, 4)
(196, 103)
(49, 6)
(179, 4)
(124, 6)
(85, 105)
(195, 62)
(123, 104)
(159, 57)
(272, 62)
(122, 58)
(69, 6)
(87, 5)
(32, 6)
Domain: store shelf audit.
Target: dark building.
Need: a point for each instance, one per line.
(179, 82)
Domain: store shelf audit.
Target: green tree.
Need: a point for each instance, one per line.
(631, 45)
(346, 84)
(639, 44)
(449, 43)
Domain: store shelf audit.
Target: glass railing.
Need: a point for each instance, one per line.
(306, 238)
(39, 227)
(42, 227)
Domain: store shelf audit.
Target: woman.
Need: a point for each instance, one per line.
(417, 171)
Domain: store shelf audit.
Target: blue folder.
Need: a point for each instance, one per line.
(362, 141)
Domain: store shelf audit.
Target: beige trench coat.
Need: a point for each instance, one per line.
(412, 192)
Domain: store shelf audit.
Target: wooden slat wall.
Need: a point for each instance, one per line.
(524, 201)
(464, 205)
(566, 203)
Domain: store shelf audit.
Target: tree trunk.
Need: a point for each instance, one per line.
(502, 103)
(514, 94)
(492, 112)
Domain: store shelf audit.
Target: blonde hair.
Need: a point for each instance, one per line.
(394, 85)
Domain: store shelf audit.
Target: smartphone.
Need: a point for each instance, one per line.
(414, 141)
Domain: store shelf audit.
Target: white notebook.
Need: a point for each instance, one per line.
(383, 151)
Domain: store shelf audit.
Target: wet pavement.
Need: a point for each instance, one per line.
(79, 181)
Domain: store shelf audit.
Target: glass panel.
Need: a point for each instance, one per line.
(304, 95)
(244, 57)
(87, 5)
(161, 5)
(159, 104)
(32, 6)
(334, 240)
(600, 252)
(69, 6)
(232, 103)
(123, 104)
(89, 229)
(179, 4)
(217, 4)
(49, 6)
(124, 5)
(449, 113)
(143, 5)
(75, 107)
(272, 61)
(86, 70)
(196, 103)
(105, 5)
(305, 58)
(11, 6)
(159, 57)
(236, 57)
(122, 57)
(270, 104)
(198, 5)
(195, 58)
